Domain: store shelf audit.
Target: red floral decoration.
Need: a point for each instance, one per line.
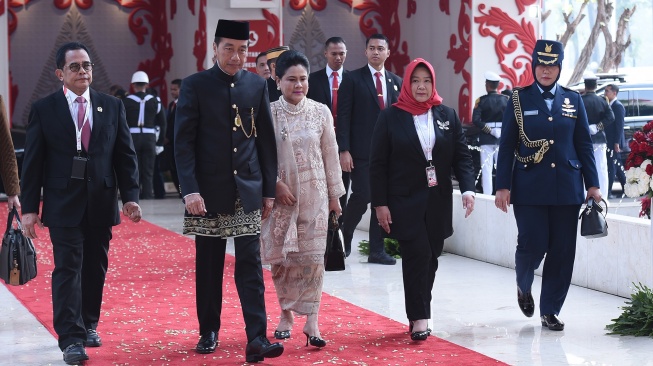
(524, 31)
(65, 4)
(639, 170)
(522, 4)
(317, 5)
(274, 24)
(377, 18)
(199, 48)
(459, 52)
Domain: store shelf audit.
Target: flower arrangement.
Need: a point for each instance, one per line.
(639, 168)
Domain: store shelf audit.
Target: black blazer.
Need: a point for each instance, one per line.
(614, 133)
(214, 157)
(398, 175)
(358, 109)
(49, 150)
(319, 88)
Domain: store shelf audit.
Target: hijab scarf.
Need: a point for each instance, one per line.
(406, 101)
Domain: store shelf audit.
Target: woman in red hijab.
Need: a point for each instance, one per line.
(416, 144)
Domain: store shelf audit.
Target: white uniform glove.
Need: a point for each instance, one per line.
(158, 149)
(496, 132)
(593, 129)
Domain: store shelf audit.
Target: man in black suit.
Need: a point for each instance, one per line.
(79, 150)
(323, 88)
(168, 142)
(361, 96)
(614, 134)
(227, 165)
(274, 93)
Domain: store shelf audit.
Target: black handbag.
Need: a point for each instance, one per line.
(592, 220)
(17, 256)
(334, 257)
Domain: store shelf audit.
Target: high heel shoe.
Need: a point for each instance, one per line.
(418, 336)
(282, 334)
(315, 341)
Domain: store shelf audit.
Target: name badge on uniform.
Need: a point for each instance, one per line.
(431, 178)
(530, 113)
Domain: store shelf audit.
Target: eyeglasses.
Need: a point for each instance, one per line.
(74, 67)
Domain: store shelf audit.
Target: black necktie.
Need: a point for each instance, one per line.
(547, 95)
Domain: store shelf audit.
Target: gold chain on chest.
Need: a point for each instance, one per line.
(542, 144)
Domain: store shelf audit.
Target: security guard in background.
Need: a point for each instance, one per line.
(272, 55)
(545, 164)
(144, 114)
(488, 114)
(599, 116)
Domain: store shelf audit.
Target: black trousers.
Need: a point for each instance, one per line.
(343, 198)
(248, 274)
(419, 262)
(615, 168)
(357, 206)
(145, 146)
(80, 267)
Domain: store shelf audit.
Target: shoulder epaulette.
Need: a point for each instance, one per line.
(478, 100)
(522, 87)
(571, 90)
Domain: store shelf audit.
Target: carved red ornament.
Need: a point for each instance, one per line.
(317, 5)
(154, 15)
(200, 43)
(275, 25)
(460, 52)
(377, 18)
(2, 7)
(65, 4)
(522, 4)
(523, 31)
(411, 8)
(173, 9)
(444, 7)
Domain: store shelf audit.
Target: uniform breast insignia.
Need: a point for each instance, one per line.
(443, 125)
(568, 109)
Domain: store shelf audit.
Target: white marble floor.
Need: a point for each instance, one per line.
(474, 306)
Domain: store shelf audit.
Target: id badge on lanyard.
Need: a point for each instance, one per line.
(427, 145)
(431, 178)
(78, 170)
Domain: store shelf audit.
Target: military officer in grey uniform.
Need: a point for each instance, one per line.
(487, 116)
(545, 164)
(227, 166)
(600, 117)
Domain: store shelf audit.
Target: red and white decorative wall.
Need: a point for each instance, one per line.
(171, 39)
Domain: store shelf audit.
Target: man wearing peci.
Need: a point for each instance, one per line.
(274, 93)
(323, 88)
(227, 165)
(169, 141)
(361, 97)
(78, 149)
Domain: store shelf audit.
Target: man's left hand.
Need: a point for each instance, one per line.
(267, 207)
(468, 204)
(133, 211)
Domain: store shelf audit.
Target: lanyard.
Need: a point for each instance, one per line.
(78, 130)
(425, 138)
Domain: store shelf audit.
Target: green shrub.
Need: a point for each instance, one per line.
(391, 247)
(637, 317)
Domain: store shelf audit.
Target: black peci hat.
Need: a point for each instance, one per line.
(232, 29)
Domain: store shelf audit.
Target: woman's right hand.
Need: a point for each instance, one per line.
(284, 196)
(384, 217)
(502, 199)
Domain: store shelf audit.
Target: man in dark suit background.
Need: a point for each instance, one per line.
(323, 88)
(168, 143)
(227, 165)
(272, 55)
(614, 134)
(79, 150)
(361, 96)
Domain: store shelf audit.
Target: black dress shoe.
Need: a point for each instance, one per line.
(74, 354)
(260, 348)
(92, 338)
(552, 322)
(281, 334)
(207, 342)
(381, 258)
(526, 303)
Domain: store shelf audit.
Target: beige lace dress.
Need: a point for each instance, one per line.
(293, 238)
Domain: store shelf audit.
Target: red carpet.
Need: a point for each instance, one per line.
(148, 315)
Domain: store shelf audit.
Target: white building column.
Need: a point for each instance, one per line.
(4, 54)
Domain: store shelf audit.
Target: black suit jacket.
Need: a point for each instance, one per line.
(614, 133)
(49, 150)
(273, 93)
(319, 88)
(213, 155)
(398, 176)
(358, 109)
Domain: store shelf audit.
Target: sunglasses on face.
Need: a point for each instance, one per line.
(74, 67)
